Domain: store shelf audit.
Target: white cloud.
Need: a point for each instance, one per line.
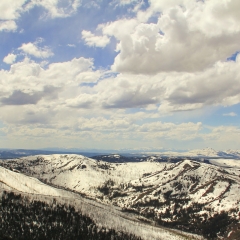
(92, 4)
(124, 2)
(120, 29)
(82, 101)
(231, 114)
(216, 86)
(42, 98)
(27, 82)
(222, 137)
(71, 45)
(10, 58)
(92, 40)
(114, 133)
(56, 8)
(8, 25)
(11, 10)
(188, 36)
(171, 58)
(34, 50)
(167, 92)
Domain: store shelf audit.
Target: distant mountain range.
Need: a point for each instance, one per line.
(17, 153)
(198, 153)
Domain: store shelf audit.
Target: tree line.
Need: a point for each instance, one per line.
(22, 219)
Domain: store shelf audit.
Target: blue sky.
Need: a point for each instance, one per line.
(120, 74)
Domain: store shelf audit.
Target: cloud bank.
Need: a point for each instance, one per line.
(154, 75)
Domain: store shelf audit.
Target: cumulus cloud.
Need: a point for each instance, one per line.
(27, 82)
(36, 51)
(44, 97)
(8, 25)
(171, 58)
(11, 10)
(218, 85)
(20, 98)
(188, 36)
(171, 92)
(81, 101)
(10, 58)
(56, 8)
(110, 134)
(92, 40)
(223, 136)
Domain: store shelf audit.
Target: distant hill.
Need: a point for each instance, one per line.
(18, 153)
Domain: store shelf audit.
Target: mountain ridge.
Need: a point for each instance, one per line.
(170, 194)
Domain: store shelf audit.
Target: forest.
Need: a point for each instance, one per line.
(22, 219)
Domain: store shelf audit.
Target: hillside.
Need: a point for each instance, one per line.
(24, 219)
(21, 194)
(200, 188)
(12, 181)
(79, 173)
(181, 195)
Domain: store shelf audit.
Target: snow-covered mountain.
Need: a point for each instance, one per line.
(174, 194)
(79, 173)
(233, 153)
(192, 182)
(13, 181)
(104, 215)
(206, 152)
(212, 153)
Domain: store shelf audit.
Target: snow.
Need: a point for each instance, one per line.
(226, 162)
(68, 171)
(212, 186)
(103, 214)
(206, 152)
(215, 185)
(19, 182)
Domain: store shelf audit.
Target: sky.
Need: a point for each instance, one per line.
(120, 74)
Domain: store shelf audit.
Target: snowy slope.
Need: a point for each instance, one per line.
(159, 191)
(104, 215)
(216, 189)
(207, 152)
(234, 153)
(213, 186)
(200, 153)
(222, 162)
(80, 173)
(10, 180)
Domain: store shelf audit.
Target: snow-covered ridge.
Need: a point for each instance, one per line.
(79, 173)
(86, 175)
(210, 152)
(206, 152)
(10, 180)
(210, 185)
(157, 190)
(15, 181)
